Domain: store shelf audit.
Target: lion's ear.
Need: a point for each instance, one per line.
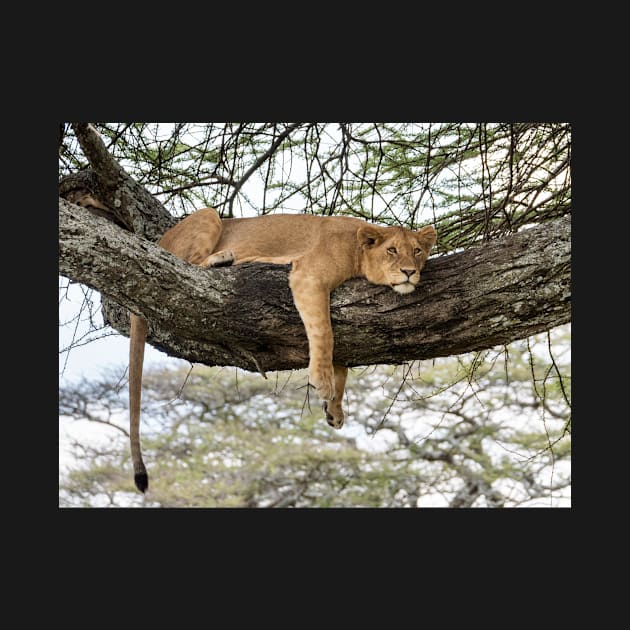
(369, 236)
(428, 237)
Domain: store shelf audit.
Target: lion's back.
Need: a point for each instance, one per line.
(281, 238)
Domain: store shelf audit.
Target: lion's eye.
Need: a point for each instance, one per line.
(417, 251)
(392, 250)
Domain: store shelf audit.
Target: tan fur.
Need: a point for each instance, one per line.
(324, 252)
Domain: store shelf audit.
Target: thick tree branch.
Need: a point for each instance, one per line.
(129, 201)
(244, 315)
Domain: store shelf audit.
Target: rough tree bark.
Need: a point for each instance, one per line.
(244, 316)
(128, 203)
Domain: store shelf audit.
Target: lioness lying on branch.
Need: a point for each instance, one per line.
(324, 252)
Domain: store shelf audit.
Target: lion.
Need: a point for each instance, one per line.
(323, 251)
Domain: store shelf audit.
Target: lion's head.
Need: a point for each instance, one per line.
(395, 256)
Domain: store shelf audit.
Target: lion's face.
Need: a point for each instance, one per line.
(394, 256)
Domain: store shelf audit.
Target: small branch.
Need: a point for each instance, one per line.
(261, 160)
(91, 418)
(62, 133)
(199, 183)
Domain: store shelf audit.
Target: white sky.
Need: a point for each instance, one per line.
(91, 359)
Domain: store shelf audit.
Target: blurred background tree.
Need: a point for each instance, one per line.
(489, 429)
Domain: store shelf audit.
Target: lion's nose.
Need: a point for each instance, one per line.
(408, 272)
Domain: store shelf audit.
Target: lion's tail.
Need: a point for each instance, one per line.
(137, 339)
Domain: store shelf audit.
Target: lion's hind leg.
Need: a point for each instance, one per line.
(333, 408)
(194, 238)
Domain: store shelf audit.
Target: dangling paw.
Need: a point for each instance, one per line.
(334, 414)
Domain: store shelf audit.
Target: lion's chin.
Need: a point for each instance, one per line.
(406, 287)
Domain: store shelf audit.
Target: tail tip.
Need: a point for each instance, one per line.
(142, 481)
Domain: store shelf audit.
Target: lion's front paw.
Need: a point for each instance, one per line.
(224, 258)
(323, 381)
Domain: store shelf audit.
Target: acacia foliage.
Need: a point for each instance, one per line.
(486, 429)
(471, 180)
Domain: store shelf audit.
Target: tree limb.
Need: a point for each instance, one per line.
(129, 201)
(244, 315)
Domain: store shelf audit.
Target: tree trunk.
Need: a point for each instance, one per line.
(244, 316)
(127, 202)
